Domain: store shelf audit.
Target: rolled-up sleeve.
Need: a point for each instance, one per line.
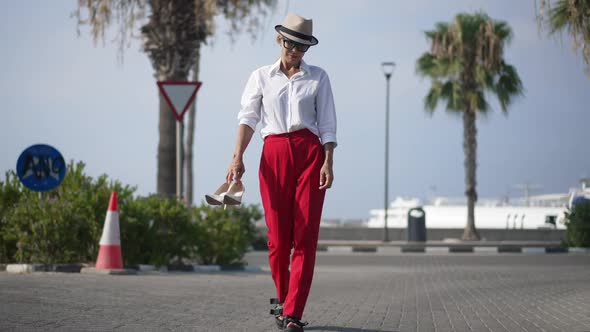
(251, 102)
(326, 111)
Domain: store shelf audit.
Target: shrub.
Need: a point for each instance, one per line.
(260, 241)
(64, 225)
(578, 225)
(90, 198)
(10, 193)
(225, 235)
(60, 226)
(157, 230)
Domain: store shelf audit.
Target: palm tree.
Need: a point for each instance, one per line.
(172, 33)
(465, 63)
(570, 15)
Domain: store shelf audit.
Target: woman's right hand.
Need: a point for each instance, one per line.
(236, 167)
(236, 170)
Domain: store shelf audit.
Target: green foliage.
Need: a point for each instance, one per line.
(59, 226)
(156, 230)
(10, 194)
(64, 225)
(466, 61)
(578, 225)
(571, 16)
(50, 231)
(225, 235)
(260, 242)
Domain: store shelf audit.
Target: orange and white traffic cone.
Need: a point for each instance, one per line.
(109, 253)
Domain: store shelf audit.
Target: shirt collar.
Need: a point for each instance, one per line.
(276, 67)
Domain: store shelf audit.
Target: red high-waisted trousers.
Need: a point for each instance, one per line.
(289, 185)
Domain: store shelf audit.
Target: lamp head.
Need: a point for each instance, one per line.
(388, 68)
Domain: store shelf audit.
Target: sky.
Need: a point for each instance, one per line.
(61, 89)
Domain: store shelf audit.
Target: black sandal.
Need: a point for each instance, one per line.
(277, 311)
(295, 328)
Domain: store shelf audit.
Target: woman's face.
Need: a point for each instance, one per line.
(291, 52)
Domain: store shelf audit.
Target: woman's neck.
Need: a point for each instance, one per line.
(285, 65)
(289, 69)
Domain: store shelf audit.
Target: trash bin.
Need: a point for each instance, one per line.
(551, 219)
(417, 225)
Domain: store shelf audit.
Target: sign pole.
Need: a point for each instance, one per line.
(178, 180)
(181, 168)
(179, 159)
(179, 96)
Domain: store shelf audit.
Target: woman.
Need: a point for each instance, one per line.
(293, 102)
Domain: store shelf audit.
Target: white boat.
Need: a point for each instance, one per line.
(534, 212)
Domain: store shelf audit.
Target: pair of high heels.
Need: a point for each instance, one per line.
(227, 194)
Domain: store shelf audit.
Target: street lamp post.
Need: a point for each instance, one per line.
(388, 68)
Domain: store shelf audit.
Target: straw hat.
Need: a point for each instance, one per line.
(297, 29)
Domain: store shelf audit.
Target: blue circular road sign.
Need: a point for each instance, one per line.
(41, 167)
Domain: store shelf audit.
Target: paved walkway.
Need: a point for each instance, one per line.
(352, 292)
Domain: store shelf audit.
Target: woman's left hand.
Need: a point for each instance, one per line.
(326, 176)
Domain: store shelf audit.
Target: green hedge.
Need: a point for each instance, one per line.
(10, 195)
(156, 230)
(578, 225)
(65, 225)
(224, 234)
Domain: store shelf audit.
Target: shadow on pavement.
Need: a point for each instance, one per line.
(342, 329)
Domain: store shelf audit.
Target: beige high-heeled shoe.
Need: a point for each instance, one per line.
(234, 194)
(217, 197)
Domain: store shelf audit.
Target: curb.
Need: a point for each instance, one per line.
(146, 268)
(142, 268)
(245, 268)
(199, 268)
(226, 268)
(579, 250)
(421, 248)
(92, 270)
(30, 268)
(206, 268)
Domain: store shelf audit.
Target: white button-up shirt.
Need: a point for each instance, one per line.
(285, 105)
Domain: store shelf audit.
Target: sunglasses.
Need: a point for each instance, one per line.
(289, 44)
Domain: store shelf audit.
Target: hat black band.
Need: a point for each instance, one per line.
(295, 33)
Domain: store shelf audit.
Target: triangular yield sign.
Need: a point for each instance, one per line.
(179, 95)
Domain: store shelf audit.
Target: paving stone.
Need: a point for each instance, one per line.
(351, 292)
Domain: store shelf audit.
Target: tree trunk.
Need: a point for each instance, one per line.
(169, 39)
(470, 148)
(167, 146)
(190, 136)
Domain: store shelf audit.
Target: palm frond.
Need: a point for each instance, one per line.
(439, 29)
(452, 92)
(508, 86)
(425, 65)
(466, 60)
(99, 15)
(431, 66)
(127, 15)
(483, 77)
(477, 101)
(433, 96)
(560, 16)
(572, 16)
